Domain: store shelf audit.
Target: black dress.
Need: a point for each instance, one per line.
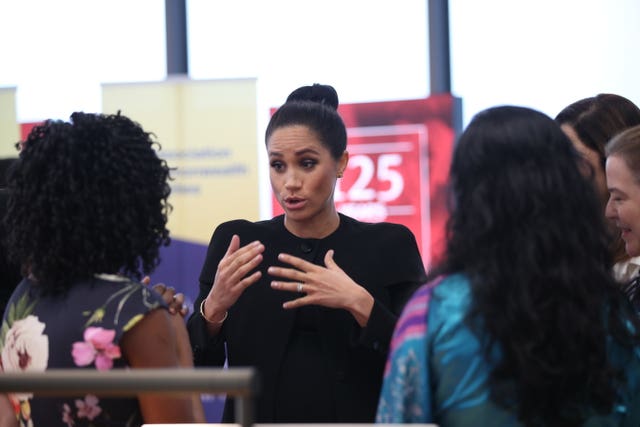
(315, 364)
(632, 291)
(9, 270)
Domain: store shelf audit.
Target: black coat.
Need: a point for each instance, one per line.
(383, 258)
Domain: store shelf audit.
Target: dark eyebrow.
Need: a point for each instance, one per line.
(307, 151)
(298, 153)
(612, 189)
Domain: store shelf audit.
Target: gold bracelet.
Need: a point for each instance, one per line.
(226, 313)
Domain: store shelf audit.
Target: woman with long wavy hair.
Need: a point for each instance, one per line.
(522, 323)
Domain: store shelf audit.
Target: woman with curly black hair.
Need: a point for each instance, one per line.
(522, 323)
(86, 215)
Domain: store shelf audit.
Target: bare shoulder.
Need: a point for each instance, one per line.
(152, 341)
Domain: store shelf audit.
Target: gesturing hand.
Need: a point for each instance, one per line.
(232, 276)
(327, 286)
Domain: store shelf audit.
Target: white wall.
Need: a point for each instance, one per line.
(543, 54)
(367, 49)
(540, 53)
(57, 52)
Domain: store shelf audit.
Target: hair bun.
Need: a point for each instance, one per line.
(323, 94)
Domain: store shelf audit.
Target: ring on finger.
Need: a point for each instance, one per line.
(300, 287)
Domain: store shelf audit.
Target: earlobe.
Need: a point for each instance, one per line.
(342, 164)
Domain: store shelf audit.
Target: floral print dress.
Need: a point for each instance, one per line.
(82, 329)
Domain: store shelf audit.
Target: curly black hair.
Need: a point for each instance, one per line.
(87, 196)
(527, 231)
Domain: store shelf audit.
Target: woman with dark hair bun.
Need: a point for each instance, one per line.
(522, 324)
(87, 212)
(309, 297)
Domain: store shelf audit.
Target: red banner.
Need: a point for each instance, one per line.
(25, 129)
(399, 155)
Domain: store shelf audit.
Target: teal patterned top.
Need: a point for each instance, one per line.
(436, 371)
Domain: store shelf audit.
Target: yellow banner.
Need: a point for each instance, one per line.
(208, 132)
(9, 127)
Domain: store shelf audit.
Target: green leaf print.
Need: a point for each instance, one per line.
(17, 311)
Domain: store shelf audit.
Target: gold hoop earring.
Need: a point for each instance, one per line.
(339, 174)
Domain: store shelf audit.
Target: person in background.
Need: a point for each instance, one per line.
(310, 297)
(9, 271)
(623, 208)
(86, 216)
(9, 279)
(522, 323)
(590, 123)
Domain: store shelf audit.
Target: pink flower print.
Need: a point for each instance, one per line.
(98, 345)
(88, 408)
(67, 416)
